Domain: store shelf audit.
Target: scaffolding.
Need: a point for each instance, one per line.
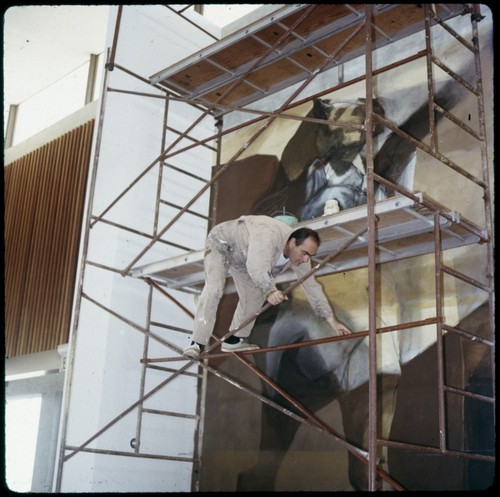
(289, 49)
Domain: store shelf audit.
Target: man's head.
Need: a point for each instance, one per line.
(302, 244)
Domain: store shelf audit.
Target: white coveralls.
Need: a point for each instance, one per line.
(249, 249)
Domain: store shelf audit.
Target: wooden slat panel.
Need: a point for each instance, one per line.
(44, 200)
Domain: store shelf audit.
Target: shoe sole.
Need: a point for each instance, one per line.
(239, 349)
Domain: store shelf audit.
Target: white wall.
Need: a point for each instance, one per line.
(104, 368)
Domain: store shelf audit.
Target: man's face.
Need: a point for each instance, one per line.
(298, 254)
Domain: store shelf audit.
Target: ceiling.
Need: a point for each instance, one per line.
(43, 43)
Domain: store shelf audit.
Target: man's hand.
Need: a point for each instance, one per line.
(276, 297)
(339, 327)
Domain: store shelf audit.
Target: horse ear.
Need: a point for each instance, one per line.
(378, 107)
(321, 108)
(301, 149)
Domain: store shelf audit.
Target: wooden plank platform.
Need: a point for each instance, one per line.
(327, 30)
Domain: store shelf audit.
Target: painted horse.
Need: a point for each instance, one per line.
(338, 371)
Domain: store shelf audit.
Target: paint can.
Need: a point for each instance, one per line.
(289, 219)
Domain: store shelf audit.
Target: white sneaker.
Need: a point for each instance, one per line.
(192, 351)
(240, 346)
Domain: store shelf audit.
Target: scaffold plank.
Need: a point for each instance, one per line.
(405, 228)
(244, 55)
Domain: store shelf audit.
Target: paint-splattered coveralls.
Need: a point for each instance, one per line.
(249, 248)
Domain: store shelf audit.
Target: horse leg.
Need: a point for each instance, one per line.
(355, 416)
(278, 429)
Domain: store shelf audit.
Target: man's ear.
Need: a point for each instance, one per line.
(289, 245)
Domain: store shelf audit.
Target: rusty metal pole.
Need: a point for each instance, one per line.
(488, 216)
(372, 325)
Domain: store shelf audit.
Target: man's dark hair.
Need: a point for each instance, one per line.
(302, 233)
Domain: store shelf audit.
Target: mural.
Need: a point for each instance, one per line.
(247, 444)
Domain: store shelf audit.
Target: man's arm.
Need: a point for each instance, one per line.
(275, 297)
(319, 302)
(339, 327)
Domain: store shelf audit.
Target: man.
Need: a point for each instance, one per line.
(253, 250)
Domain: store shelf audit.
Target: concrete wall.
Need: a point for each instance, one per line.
(103, 383)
